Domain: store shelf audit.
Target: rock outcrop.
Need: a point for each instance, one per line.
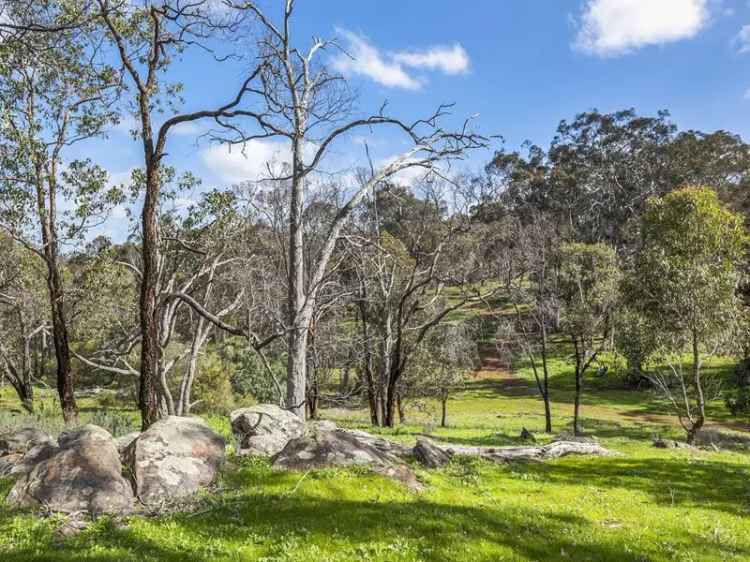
(340, 448)
(174, 458)
(430, 455)
(265, 429)
(81, 475)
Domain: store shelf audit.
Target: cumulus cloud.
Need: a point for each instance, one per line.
(743, 39)
(235, 164)
(366, 60)
(617, 27)
(390, 69)
(450, 60)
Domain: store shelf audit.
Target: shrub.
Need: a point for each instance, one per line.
(212, 390)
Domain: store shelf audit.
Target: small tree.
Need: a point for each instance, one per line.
(452, 355)
(685, 283)
(533, 293)
(589, 279)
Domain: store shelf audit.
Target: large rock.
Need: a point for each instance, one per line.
(20, 441)
(341, 448)
(20, 464)
(124, 441)
(21, 450)
(430, 455)
(265, 429)
(82, 474)
(174, 458)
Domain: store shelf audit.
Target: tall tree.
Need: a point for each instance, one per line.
(55, 91)
(147, 39)
(306, 104)
(685, 284)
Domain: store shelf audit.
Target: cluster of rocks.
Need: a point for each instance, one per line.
(82, 471)
(270, 431)
(88, 471)
(711, 438)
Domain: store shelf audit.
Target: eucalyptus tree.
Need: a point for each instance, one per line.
(147, 38)
(533, 292)
(688, 270)
(406, 287)
(55, 91)
(307, 105)
(196, 265)
(588, 288)
(451, 355)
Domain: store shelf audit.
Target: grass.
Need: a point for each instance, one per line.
(645, 504)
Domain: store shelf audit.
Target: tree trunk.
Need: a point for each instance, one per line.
(444, 412)
(62, 353)
(577, 406)
(147, 394)
(401, 409)
(545, 394)
(296, 391)
(391, 396)
(700, 419)
(299, 318)
(47, 211)
(508, 454)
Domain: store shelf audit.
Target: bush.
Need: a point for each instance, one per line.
(251, 380)
(212, 390)
(737, 398)
(116, 422)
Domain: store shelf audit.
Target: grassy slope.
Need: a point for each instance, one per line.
(646, 504)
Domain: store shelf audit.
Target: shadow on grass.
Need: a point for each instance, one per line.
(268, 521)
(351, 530)
(680, 480)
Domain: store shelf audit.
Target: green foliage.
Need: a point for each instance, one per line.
(737, 397)
(250, 379)
(687, 267)
(117, 422)
(589, 283)
(212, 390)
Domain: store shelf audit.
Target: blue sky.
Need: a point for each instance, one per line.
(522, 65)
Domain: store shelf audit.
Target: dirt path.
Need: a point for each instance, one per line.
(496, 371)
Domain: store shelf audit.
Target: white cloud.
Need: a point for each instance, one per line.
(747, 94)
(616, 27)
(451, 60)
(390, 68)
(743, 39)
(235, 164)
(367, 60)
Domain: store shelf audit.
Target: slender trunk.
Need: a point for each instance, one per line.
(577, 406)
(401, 409)
(23, 387)
(62, 354)
(299, 319)
(47, 211)
(367, 368)
(444, 412)
(701, 417)
(391, 396)
(147, 393)
(545, 393)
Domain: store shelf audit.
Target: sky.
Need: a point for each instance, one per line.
(518, 66)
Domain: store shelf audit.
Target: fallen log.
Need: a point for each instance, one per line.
(553, 450)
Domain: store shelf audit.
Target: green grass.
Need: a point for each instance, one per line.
(644, 504)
